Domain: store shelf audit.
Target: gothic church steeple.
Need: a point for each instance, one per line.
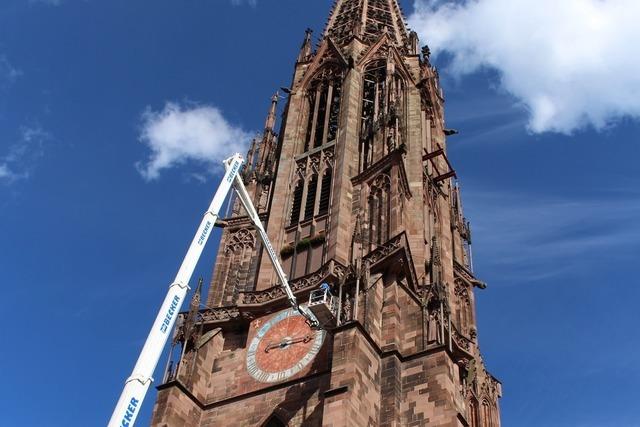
(356, 190)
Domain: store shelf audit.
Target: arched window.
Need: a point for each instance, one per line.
(323, 107)
(325, 192)
(334, 112)
(473, 413)
(382, 121)
(296, 204)
(374, 86)
(487, 421)
(309, 206)
(321, 114)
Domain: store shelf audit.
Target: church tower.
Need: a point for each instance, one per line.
(356, 190)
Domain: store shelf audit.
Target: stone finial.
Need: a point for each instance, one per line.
(270, 122)
(306, 50)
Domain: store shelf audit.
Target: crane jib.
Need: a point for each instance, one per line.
(128, 406)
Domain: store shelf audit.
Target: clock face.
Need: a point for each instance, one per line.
(282, 347)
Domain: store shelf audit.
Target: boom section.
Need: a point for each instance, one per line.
(137, 385)
(243, 195)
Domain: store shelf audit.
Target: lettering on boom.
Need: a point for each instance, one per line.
(172, 310)
(205, 232)
(131, 410)
(234, 170)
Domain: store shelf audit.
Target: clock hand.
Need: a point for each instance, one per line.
(287, 342)
(304, 339)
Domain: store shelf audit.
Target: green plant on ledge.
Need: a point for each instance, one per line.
(286, 251)
(317, 239)
(303, 244)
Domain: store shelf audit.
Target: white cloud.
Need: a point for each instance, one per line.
(19, 161)
(572, 63)
(178, 134)
(5, 173)
(8, 73)
(530, 237)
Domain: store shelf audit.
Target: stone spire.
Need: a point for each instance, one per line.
(306, 50)
(267, 146)
(271, 117)
(367, 20)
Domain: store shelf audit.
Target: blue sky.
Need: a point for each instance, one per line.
(94, 220)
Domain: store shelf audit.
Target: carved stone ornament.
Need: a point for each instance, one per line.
(383, 251)
(381, 182)
(220, 314)
(301, 283)
(460, 340)
(239, 240)
(461, 291)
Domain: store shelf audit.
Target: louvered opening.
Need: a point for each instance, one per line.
(322, 111)
(312, 105)
(325, 193)
(335, 112)
(309, 206)
(297, 203)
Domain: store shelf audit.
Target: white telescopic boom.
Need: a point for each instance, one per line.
(136, 386)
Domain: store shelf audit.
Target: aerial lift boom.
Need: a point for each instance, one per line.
(137, 385)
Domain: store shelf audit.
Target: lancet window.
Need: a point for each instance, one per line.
(297, 202)
(323, 107)
(473, 414)
(382, 121)
(325, 192)
(487, 421)
(309, 206)
(311, 195)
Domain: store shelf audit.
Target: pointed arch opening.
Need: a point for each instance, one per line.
(487, 417)
(296, 203)
(474, 416)
(325, 192)
(382, 121)
(310, 204)
(323, 96)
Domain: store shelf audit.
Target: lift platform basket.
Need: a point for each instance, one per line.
(323, 306)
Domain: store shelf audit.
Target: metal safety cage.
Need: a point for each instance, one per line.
(323, 306)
